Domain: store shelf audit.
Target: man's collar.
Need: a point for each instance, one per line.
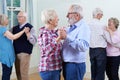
(21, 26)
(79, 22)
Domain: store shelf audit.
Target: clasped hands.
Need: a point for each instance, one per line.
(27, 31)
(62, 33)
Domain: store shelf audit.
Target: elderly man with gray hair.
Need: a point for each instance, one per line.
(75, 45)
(98, 46)
(23, 46)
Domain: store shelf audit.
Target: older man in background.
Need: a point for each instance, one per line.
(23, 46)
(98, 46)
(75, 45)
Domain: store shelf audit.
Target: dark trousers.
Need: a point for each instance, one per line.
(112, 68)
(74, 71)
(98, 63)
(6, 72)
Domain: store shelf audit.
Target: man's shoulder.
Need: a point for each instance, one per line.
(28, 25)
(14, 27)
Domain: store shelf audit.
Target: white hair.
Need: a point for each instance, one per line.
(47, 15)
(77, 8)
(97, 11)
(24, 13)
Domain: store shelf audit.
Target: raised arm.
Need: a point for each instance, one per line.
(31, 36)
(11, 36)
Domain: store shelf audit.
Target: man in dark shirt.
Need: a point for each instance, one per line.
(23, 46)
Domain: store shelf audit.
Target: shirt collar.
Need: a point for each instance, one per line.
(21, 26)
(79, 22)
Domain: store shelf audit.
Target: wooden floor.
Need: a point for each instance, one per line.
(36, 76)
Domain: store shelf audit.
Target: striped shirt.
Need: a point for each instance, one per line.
(50, 50)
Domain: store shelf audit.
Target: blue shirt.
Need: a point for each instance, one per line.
(77, 43)
(7, 55)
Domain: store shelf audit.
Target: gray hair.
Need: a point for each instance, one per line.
(77, 8)
(24, 13)
(115, 22)
(97, 11)
(47, 15)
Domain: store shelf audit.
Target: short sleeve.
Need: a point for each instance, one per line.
(3, 30)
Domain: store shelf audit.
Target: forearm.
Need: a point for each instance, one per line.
(16, 36)
(11, 36)
(32, 39)
(80, 45)
(31, 36)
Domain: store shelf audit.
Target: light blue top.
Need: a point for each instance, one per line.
(77, 43)
(7, 55)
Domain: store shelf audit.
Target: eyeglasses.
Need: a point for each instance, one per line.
(71, 13)
(20, 16)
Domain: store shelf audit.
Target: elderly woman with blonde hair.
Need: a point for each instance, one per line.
(49, 41)
(7, 56)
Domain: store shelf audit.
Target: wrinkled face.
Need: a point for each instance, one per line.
(72, 16)
(54, 22)
(111, 24)
(21, 18)
(99, 16)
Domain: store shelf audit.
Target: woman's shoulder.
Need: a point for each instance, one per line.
(3, 29)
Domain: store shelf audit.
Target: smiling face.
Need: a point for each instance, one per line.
(4, 20)
(21, 18)
(113, 23)
(72, 16)
(54, 21)
(50, 18)
(99, 16)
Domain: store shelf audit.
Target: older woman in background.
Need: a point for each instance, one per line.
(7, 56)
(50, 46)
(113, 51)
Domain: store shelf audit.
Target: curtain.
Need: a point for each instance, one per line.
(3, 7)
(29, 10)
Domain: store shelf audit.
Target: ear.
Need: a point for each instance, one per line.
(50, 21)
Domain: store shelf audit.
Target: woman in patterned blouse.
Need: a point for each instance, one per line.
(50, 46)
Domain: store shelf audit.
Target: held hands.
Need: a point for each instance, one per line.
(27, 31)
(62, 33)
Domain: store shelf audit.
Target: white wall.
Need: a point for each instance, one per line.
(109, 7)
